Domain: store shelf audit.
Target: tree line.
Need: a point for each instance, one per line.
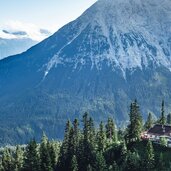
(87, 148)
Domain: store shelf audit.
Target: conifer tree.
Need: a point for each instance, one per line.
(110, 168)
(135, 126)
(162, 118)
(111, 130)
(18, 157)
(7, 160)
(64, 156)
(91, 130)
(101, 137)
(100, 162)
(115, 167)
(71, 146)
(45, 160)
(52, 154)
(133, 161)
(87, 146)
(1, 167)
(65, 143)
(32, 160)
(123, 154)
(76, 135)
(74, 164)
(86, 139)
(149, 122)
(85, 129)
(150, 161)
(120, 135)
(161, 162)
(89, 168)
(130, 129)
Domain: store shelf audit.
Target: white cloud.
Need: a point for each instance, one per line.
(32, 30)
(7, 36)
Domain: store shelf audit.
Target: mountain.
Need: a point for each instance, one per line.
(10, 47)
(14, 42)
(116, 51)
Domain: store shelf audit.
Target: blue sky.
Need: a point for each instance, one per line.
(50, 14)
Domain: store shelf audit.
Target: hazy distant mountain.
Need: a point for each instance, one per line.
(15, 42)
(116, 51)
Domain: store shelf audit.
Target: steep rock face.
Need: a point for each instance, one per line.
(127, 34)
(116, 51)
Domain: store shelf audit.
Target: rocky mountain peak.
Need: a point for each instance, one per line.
(125, 34)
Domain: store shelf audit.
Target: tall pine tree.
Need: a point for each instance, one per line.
(100, 162)
(162, 119)
(32, 160)
(150, 160)
(87, 146)
(18, 157)
(74, 164)
(111, 132)
(101, 138)
(45, 160)
(76, 135)
(64, 161)
(52, 154)
(133, 161)
(149, 122)
(91, 130)
(135, 126)
(7, 160)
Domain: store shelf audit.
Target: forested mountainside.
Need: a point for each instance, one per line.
(86, 148)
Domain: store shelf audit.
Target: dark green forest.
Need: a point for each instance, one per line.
(89, 148)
